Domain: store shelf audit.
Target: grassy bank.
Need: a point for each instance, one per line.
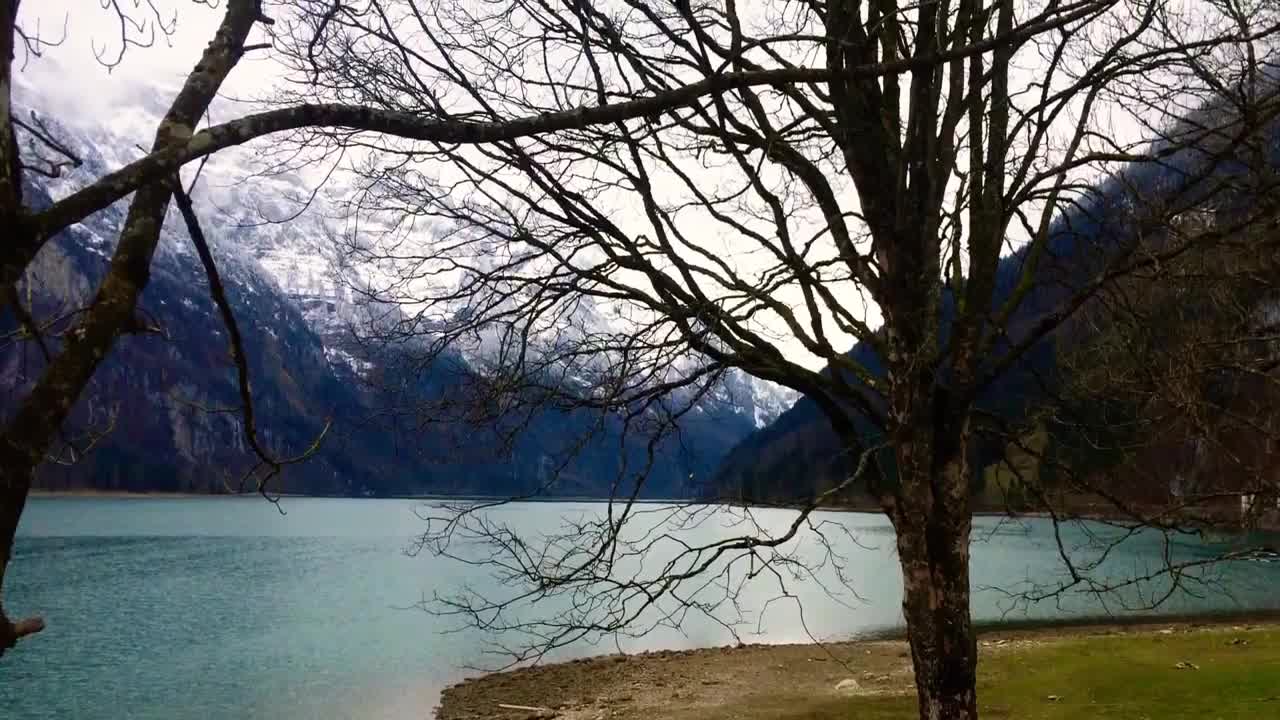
(1167, 672)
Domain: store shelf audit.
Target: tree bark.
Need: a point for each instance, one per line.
(15, 476)
(15, 481)
(935, 604)
(933, 519)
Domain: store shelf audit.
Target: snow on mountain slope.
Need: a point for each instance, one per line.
(273, 230)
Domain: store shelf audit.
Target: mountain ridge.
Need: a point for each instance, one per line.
(163, 394)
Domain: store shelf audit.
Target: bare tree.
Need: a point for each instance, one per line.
(28, 148)
(737, 185)
(86, 335)
(832, 172)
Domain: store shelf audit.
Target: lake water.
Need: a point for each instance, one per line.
(223, 608)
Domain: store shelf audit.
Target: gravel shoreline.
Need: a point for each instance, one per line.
(690, 683)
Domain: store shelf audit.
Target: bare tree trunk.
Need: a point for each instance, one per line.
(15, 481)
(26, 438)
(936, 605)
(933, 519)
(15, 472)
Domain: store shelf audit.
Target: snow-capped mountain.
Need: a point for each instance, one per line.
(760, 400)
(297, 300)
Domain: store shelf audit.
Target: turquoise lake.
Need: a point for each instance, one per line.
(222, 608)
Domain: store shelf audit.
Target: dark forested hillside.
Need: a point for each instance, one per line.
(798, 455)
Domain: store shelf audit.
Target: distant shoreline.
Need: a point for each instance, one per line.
(145, 494)
(92, 493)
(864, 508)
(161, 494)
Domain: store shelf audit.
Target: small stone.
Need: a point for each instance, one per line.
(1185, 665)
(541, 714)
(1167, 631)
(710, 681)
(1054, 698)
(847, 685)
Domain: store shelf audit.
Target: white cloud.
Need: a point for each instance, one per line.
(73, 77)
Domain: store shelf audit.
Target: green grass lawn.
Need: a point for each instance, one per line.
(1130, 677)
(1137, 677)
